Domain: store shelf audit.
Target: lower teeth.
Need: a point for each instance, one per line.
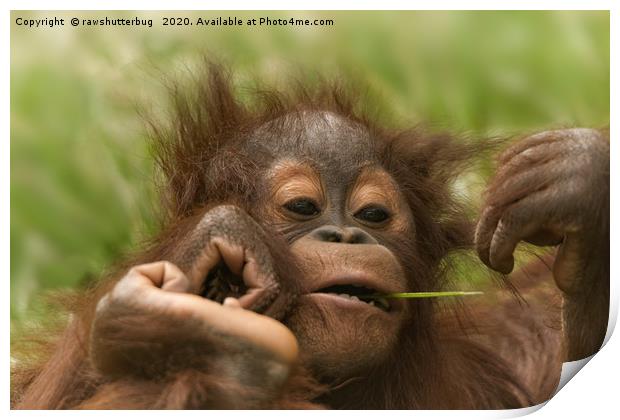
(382, 304)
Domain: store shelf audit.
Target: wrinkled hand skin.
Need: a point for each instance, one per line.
(226, 233)
(552, 189)
(186, 330)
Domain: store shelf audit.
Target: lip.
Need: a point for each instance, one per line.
(359, 279)
(352, 305)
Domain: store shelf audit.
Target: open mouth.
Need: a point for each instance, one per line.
(357, 293)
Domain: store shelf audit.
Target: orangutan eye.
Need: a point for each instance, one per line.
(373, 214)
(302, 206)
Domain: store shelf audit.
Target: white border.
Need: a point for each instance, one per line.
(593, 393)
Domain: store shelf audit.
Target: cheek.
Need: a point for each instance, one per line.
(420, 276)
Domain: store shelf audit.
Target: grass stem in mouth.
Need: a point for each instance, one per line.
(417, 295)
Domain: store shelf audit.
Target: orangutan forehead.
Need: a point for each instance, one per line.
(325, 138)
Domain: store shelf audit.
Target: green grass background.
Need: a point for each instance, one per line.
(81, 194)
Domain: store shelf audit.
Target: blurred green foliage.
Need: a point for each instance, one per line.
(81, 190)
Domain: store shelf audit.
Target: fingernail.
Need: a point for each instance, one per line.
(506, 267)
(232, 302)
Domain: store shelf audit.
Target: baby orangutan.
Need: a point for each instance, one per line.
(287, 220)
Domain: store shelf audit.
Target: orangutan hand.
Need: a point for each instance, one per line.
(157, 314)
(551, 188)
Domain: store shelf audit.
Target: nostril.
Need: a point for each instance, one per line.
(351, 235)
(328, 234)
(359, 236)
(333, 237)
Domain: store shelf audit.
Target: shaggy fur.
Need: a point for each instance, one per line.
(438, 363)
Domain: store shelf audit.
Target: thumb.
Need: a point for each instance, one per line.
(566, 268)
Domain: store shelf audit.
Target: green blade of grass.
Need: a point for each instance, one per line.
(417, 295)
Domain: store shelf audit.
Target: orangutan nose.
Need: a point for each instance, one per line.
(348, 235)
